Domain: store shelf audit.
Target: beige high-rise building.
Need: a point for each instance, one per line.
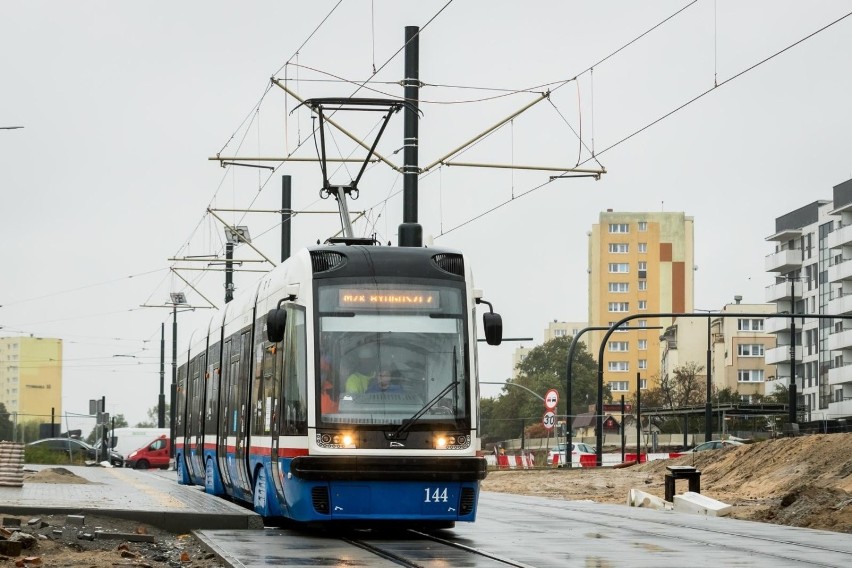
(31, 377)
(638, 263)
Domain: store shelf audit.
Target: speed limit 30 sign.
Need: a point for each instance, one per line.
(549, 420)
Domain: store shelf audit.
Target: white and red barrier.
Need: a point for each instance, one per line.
(525, 460)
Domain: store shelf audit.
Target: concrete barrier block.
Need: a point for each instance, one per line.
(637, 498)
(699, 504)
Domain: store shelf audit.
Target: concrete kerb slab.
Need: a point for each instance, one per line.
(128, 494)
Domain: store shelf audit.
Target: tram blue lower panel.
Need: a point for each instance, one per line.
(382, 500)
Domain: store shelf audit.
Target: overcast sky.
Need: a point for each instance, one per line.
(122, 104)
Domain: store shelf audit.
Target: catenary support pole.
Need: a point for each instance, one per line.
(229, 272)
(161, 401)
(708, 405)
(174, 383)
(286, 217)
(410, 231)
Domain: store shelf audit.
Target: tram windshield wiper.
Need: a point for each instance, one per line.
(407, 424)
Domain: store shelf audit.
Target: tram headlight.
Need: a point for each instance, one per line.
(451, 441)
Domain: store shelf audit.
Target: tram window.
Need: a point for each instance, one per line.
(295, 377)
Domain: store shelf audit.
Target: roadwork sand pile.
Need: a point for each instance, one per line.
(804, 481)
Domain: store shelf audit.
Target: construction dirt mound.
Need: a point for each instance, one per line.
(804, 481)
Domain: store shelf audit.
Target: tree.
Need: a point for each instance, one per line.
(684, 386)
(6, 427)
(153, 418)
(543, 369)
(118, 421)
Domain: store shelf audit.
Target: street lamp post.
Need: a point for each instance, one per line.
(569, 375)
(792, 414)
(599, 417)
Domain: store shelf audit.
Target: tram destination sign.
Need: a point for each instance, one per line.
(389, 299)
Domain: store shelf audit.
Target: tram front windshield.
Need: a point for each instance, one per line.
(389, 352)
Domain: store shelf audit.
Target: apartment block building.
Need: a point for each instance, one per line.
(736, 344)
(638, 262)
(812, 268)
(31, 377)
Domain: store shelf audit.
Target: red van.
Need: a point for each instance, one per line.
(154, 454)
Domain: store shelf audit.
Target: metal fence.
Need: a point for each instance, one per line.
(24, 428)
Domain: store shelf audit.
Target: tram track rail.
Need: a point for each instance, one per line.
(381, 550)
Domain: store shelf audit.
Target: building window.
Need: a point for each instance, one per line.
(643, 247)
(643, 225)
(643, 363)
(643, 323)
(619, 306)
(643, 285)
(750, 325)
(619, 287)
(619, 386)
(619, 228)
(643, 265)
(745, 398)
(643, 384)
(619, 345)
(619, 267)
(643, 344)
(750, 375)
(622, 328)
(750, 350)
(619, 248)
(560, 332)
(643, 304)
(619, 366)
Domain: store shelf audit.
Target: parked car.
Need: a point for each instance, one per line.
(75, 450)
(577, 449)
(713, 445)
(153, 454)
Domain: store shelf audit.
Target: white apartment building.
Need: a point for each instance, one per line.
(812, 263)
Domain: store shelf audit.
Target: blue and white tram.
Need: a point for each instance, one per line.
(267, 416)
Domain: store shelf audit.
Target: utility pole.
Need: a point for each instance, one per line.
(410, 231)
(161, 402)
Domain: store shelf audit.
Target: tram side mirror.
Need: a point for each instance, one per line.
(493, 325)
(276, 323)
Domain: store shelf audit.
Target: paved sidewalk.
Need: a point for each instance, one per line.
(146, 496)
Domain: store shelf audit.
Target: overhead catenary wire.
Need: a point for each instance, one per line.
(663, 117)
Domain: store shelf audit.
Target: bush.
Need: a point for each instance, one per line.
(39, 455)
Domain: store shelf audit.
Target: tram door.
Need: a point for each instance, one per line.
(290, 416)
(226, 386)
(236, 416)
(195, 419)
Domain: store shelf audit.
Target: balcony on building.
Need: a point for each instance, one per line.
(784, 260)
(776, 325)
(840, 375)
(781, 355)
(840, 305)
(840, 271)
(783, 290)
(840, 340)
(842, 236)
